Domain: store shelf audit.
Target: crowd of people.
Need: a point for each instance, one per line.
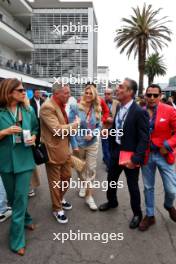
(71, 135)
(17, 65)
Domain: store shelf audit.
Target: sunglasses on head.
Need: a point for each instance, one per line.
(21, 90)
(149, 95)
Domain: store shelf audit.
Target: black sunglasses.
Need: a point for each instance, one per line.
(21, 90)
(149, 95)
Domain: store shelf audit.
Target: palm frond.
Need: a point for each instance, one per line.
(143, 24)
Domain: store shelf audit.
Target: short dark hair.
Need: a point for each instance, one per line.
(154, 86)
(36, 89)
(132, 85)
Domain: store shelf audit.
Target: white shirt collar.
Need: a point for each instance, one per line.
(37, 100)
(127, 106)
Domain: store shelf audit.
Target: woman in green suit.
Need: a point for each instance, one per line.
(16, 158)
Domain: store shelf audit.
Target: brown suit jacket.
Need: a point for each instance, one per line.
(52, 118)
(115, 103)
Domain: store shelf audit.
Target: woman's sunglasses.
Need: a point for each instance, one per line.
(149, 95)
(22, 90)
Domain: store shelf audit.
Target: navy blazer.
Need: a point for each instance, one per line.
(34, 105)
(135, 134)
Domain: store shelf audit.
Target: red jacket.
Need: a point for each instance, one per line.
(104, 107)
(165, 126)
(105, 110)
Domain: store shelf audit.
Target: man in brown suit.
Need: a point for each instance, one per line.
(54, 127)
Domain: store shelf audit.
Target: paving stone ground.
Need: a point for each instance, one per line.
(156, 246)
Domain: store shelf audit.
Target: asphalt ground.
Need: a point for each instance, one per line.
(44, 245)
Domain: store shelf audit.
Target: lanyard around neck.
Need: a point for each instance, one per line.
(14, 115)
(17, 116)
(121, 120)
(152, 120)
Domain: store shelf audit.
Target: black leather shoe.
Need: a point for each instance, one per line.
(107, 206)
(135, 221)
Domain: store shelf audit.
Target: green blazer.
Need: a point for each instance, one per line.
(17, 158)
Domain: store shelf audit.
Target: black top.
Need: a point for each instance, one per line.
(34, 105)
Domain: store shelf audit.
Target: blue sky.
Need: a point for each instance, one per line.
(109, 19)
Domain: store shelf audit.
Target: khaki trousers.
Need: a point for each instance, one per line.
(89, 155)
(61, 175)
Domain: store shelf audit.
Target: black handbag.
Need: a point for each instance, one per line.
(40, 154)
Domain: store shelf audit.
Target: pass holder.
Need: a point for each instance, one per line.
(17, 138)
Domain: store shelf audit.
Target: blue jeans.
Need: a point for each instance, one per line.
(106, 152)
(168, 176)
(3, 199)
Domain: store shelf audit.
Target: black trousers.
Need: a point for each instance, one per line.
(132, 176)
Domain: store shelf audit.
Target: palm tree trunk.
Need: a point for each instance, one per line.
(141, 64)
(150, 80)
(141, 80)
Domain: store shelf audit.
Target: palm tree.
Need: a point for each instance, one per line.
(142, 30)
(154, 66)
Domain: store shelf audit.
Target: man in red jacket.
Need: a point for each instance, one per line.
(160, 155)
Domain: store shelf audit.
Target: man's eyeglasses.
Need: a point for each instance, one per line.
(149, 95)
(22, 90)
(107, 93)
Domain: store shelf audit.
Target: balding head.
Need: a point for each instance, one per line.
(108, 94)
(61, 92)
(57, 87)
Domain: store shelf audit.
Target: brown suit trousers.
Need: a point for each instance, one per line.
(58, 180)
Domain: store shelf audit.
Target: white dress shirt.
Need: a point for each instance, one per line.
(38, 106)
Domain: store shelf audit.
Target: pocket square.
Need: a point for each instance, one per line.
(162, 119)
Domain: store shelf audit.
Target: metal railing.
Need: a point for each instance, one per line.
(16, 65)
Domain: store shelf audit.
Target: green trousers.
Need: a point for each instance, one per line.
(17, 188)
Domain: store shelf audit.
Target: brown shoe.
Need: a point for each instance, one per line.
(172, 213)
(146, 223)
(31, 227)
(21, 252)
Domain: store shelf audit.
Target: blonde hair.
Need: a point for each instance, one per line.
(95, 103)
(7, 86)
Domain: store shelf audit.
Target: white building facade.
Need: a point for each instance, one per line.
(65, 42)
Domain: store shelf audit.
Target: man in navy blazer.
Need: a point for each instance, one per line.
(134, 121)
(36, 103)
